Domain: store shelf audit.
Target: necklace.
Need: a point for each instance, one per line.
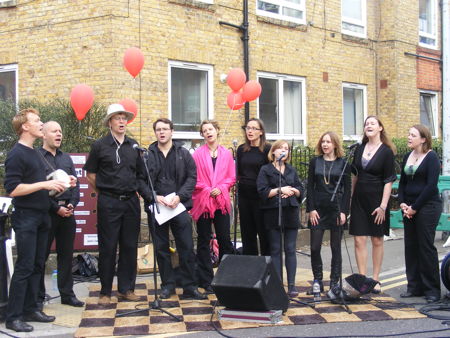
(213, 152)
(327, 181)
(369, 151)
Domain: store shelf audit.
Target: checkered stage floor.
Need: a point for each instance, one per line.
(101, 320)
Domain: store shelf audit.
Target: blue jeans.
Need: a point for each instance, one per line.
(31, 228)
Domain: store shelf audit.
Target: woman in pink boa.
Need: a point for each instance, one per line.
(215, 177)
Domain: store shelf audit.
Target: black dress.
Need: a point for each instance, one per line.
(319, 193)
(368, 191)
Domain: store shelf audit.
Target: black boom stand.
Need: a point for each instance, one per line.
(156, 304)
(3, 266)
(340, 294)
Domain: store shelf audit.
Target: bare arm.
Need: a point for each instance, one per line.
(91, 178)
(29, 188)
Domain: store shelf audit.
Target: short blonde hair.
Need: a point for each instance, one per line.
(21, 118)
(277, 145)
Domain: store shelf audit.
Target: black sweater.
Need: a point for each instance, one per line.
(418, 189)
(25, 165)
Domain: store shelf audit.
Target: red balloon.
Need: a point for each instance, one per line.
(133, 61)
(131, 106)
(252, 90)
(235, 100)
(236, 79)
(81, 100)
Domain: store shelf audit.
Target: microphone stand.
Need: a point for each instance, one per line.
(235, 197)
(3, 265)
(280, 225)
(340, 229)
(156, 304)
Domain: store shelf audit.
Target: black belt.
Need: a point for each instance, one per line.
(120, 197)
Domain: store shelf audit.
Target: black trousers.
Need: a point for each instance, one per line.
(252, 228)
(336, 257)
(63, 232)
(290, 257)
(421, 257)
(221, 223)
(181, 227)
(118, 225)
(31, 228)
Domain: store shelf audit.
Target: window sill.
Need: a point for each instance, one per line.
(10, 3)
(357, 39)
(283, 23)
(194, 3)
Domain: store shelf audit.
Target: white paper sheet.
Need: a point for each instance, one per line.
(165, 213)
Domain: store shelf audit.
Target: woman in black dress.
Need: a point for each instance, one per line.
(291, 192)
(251, 156)
(421, 204)
(323, 176)
(373, 167)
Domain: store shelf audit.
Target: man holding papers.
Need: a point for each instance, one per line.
(173, 172)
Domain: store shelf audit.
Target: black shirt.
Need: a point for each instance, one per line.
(121, 178)
(166, 180)
(249, 163)
(61, 161)
(24, 165)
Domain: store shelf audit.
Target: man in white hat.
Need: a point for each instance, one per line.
(115, 170)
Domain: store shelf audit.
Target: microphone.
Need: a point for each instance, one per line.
(283, 154)
(235, 143)
(354, 145)
(136, 146)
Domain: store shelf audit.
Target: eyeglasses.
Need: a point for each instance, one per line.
(119, 118)
(159, 130)
(251, 128)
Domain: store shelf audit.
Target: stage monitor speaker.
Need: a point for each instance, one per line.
(249, 283)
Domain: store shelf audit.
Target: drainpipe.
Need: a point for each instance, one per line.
(445, 87)
(245, 38)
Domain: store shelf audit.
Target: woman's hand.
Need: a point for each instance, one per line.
(215, 192)
(343, 218)
(380, 215)
(409, 212)
(314, 217)
(287, 191)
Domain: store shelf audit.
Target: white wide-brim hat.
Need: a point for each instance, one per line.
(114, 109)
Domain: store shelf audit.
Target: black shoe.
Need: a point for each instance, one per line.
(208, 290)
(409, 294)
(432, 299)
(292, 291)
(19, 326)
(166, 293)
(194, 294)
(72, 301)
(38, 316)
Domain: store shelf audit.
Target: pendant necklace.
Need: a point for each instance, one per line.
(369, 152)
(327, 181)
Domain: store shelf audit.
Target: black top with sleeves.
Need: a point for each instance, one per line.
(319, 193)
(418, 189)
(122, 178)
(368, 191)
(24, 165)
(62, 161)
(248, 165)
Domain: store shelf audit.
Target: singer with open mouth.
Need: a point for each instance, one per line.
(291, 191)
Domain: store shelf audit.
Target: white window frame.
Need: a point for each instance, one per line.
(433, 35)
(194, 135)
(364, 89)
(14, 68)
(280, 78)
(353, 21)
(282, 3)
(434, 107)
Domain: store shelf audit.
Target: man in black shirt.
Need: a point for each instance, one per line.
(25, 182)
(115, 170)
(173, 170)
(63, 224)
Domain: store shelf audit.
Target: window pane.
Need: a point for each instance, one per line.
(292, 107)
(189, 92)
(292, 13)
(353, 111)
(352, 28)
(268, 104)
(426, 16)
(265, 6)
(8, 86)
(426, 112)
(352, 9)
(295, 1)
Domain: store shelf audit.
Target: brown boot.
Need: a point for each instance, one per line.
(104, 300)
(128, 296)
